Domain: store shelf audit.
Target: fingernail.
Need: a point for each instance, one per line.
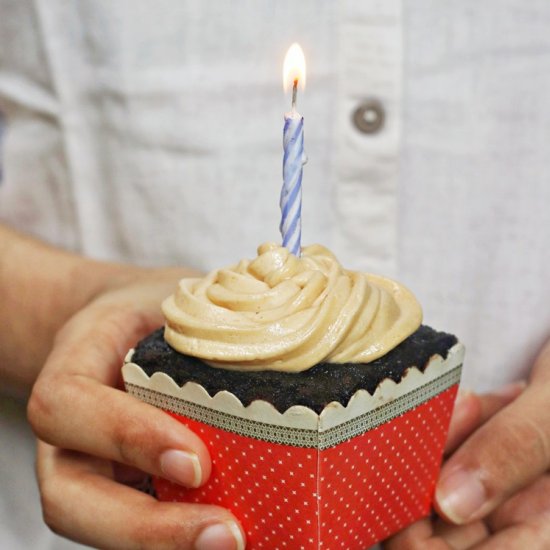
(512, 390)
(460, 495)
(220, 536)
(182, 467)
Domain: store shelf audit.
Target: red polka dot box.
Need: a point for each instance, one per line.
(346, 478)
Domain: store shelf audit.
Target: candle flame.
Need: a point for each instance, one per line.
(294, 67)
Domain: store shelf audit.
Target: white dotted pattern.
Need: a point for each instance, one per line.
(348, 496)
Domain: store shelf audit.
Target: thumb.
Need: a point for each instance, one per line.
(504, 455)
(472, 410)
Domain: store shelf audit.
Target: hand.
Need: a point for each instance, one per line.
(91, 432)
(495, 488)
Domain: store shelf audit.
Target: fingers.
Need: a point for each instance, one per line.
(428, 535)
(522, 521)
(533, 534)
(95, 341)
(505, 454)
(107, 423)
(418, 536)
(472, 410)
(122, 517)
(73, 406)
(525, 505)
(461, 537)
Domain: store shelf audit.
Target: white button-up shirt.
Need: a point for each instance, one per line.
(151, 132)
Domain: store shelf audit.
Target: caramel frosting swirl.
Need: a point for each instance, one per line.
(280, 312)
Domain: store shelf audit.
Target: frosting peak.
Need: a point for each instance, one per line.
(281, 312)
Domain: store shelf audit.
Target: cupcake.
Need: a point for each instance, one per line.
(324, 401)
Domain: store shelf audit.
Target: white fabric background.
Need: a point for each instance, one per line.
(151, 132)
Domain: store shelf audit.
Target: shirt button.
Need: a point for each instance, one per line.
(369, 116)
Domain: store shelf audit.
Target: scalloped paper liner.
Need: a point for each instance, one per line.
(298, 426)
(344, 479)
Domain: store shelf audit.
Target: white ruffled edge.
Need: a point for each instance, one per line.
(300, 417)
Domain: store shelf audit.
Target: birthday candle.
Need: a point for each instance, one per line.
(294, 157)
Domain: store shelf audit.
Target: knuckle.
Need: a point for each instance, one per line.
(518, 455)
(39, 407)
(511, 439)
(52, 512)
(49, 398)
(175, 526)
(528, 435)
(540, 443)
(129, 440)
(161, 535)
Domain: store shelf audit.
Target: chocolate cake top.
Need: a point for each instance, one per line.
(313, 388)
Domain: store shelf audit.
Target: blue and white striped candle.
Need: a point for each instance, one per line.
(294, 157)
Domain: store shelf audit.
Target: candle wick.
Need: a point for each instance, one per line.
(294, 94)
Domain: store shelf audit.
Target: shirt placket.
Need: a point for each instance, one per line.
(368, 127)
